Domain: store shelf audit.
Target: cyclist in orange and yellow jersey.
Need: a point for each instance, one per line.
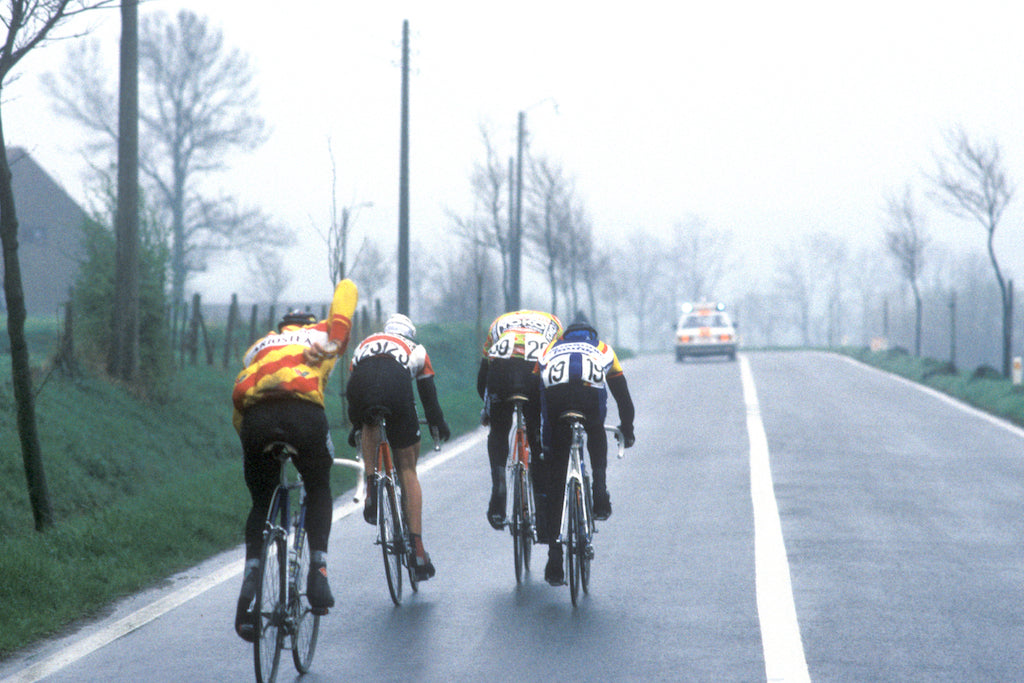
(513, 346)
(279, 396)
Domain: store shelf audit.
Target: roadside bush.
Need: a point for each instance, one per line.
(94, 300)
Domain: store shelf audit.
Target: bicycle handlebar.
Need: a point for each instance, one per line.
(435, 434)
(620, 440)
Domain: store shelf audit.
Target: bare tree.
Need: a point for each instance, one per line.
(699, 257)
(267, 276)
(548, 219)
(467, 286)
(906, 241)
(796, 281)
(337, 234)
(638, 271)
(371, 269)
(28, 24)
(197, 104)
(490, 182)
(971, 183)
(831, 261)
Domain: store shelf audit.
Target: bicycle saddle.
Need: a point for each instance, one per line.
(570, 415)
(282, 450)
(375, 413)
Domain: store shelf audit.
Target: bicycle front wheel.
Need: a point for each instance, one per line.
(269, 610)
(573, 550)
(586, 550)
(392, 541)
(528, 532)
(307, 624)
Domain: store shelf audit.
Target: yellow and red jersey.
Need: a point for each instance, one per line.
(521, 334)
(277, 366)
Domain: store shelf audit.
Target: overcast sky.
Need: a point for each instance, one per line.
(766, 119)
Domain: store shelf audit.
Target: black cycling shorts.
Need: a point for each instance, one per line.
(383, 381)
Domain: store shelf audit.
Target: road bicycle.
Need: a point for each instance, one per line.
(284, 618)
(577, 528)
(392, 523)
(520, 514)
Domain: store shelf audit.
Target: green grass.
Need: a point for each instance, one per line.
(140, 490)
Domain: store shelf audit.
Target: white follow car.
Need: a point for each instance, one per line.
(705, 329)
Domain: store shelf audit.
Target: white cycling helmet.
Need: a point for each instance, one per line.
(400, 325)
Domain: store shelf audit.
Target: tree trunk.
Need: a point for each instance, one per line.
(918, 305)
(21, 376)
(1007, 328)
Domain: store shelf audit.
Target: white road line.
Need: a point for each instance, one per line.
(141, 617)
(946, 398)
(780, 631)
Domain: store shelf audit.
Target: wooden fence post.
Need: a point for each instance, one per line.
(193, 331)
(252, 326)
(229, 330)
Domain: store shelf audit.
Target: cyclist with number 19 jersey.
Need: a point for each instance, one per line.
(576, 372)
(513, 346)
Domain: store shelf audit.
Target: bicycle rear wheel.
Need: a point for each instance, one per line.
(307, 624)
(518, 524)
(391, 541)
(573, 550)
(269, 610)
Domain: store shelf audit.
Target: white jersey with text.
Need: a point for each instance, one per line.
(567, 361)
(409, 354)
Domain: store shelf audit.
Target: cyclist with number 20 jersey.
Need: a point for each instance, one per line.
(513, 346)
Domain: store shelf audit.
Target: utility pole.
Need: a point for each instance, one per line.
(403, 183)
(516, 238)
(124, 352)
(507, 283)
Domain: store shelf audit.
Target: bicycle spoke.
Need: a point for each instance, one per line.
(269, 610)
(307, 624)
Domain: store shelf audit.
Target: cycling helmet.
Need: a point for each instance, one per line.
(400, 325)
(297, 316)
(580, 330)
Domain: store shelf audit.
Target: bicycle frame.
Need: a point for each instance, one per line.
(386, 480)
(292, 531)
(287, 616)
(576, 471)
(518, 459)
(578, 514)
